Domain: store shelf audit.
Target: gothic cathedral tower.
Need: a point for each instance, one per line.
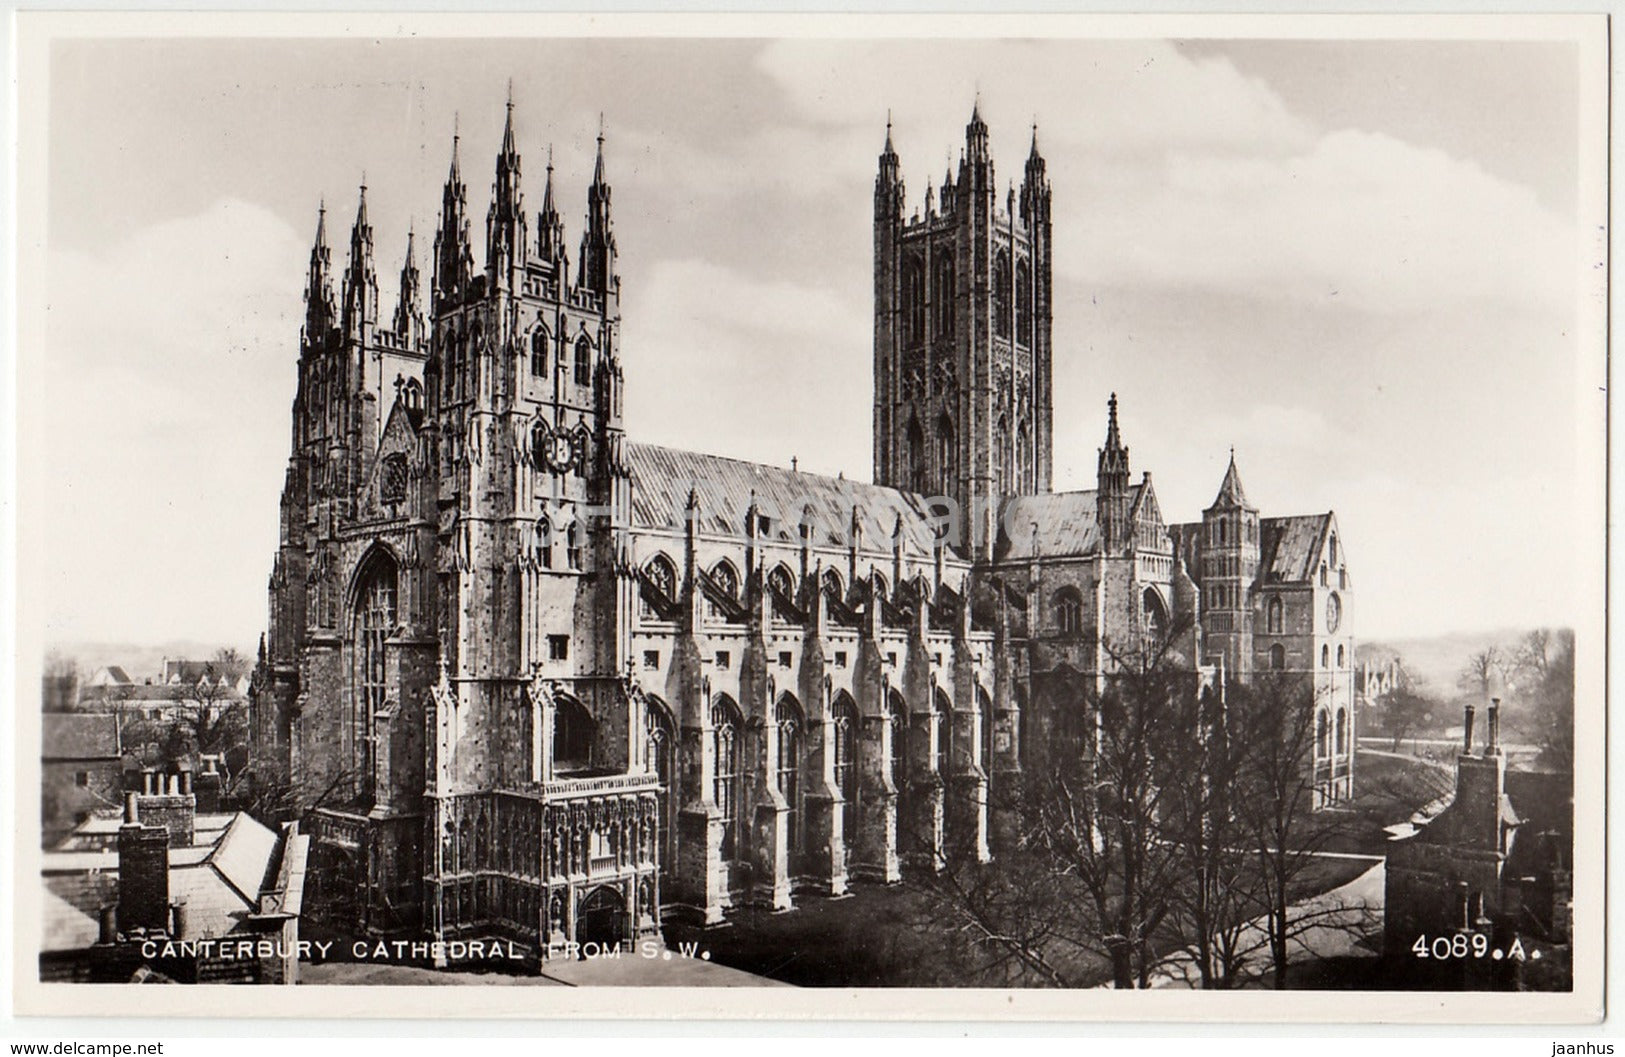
(962, 338)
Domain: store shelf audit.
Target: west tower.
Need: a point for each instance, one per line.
(962, 337)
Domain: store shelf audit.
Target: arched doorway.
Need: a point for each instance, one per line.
(601, 918)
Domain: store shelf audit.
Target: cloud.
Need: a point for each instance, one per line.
(753, 368)
(169, 371)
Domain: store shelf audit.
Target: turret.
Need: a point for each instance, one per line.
(1230, 547)
(1111, 487)
(598, 242)
(505, 237)
(320, 314)
(1035, 189)
(888, 183)
(360, 278)
(453, 260)
(408, 310)
(549, 225)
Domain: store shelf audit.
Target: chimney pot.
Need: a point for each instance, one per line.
(1493, 748)
(1467, 730)
(132, 809)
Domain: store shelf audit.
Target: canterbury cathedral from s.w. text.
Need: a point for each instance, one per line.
(531, 679)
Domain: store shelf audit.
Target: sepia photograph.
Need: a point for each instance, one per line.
(1033, 516)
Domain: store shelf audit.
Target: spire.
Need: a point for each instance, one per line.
(453, 260)
(598, 241)
(408, 313)
(1231, 494)
(976, 133)
(505, 240)
(598, 167)
(1111, 486)
(1114, 440)
(360, 280)
(550, 227)
(319, 310)
(507, 130)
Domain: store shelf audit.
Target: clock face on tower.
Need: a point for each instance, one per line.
(1334, 613)
(562, 452)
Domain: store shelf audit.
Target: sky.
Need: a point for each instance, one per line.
(1357, 263)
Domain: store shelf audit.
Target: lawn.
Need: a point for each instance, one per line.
(895, 936)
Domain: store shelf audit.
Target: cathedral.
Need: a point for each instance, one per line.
(529, 679)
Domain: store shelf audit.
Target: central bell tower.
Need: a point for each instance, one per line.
(962, 338)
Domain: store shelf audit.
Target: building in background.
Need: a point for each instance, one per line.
(82, 765)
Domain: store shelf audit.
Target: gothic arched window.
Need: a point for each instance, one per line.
(662, 576)
(833, 586)
(725, 580)
(913, 314)
(373, 623)
(845, 714)
(1340, 656)
(728, 777)
(946, 470)
(916, 455)
(943, 735)
(1275, 619)
(782, 583)
(1323, 744)
(1277, 657)
(572, 546)
(898, 717)
(583, 361)
(1001, 295)
(942, 295)
(573, 732)
(1342, 732)
(1069, 612)
(538, 351)
(1004, 454)
(1156, 617)
(1024, 303)
(542, 543)
(787, 765)
(1025, 482)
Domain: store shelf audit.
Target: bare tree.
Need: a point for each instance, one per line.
(59, 682)
(1484, 674)
(1216, 894)
(1545, 677)
(1276, 714)
(1090, 885)
(1404, 707)
(209, 719)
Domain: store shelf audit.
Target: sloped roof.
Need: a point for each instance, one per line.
(663, 477)
(1289, 546)
(244, 855)
(79, 736)
(220, 878)
(1231, 494)
(1066, 525)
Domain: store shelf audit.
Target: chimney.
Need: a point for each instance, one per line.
(1493, 748)
(1467, 731)
(107, 920)
(171, 808)
(143, 872)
